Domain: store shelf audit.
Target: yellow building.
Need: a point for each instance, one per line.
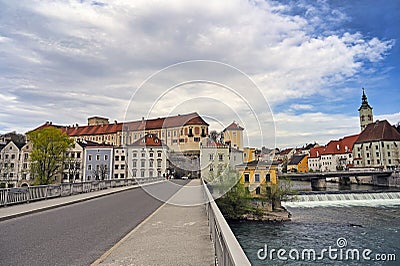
(233, 136)
(249, 154)
(257, 175)
(298, 164)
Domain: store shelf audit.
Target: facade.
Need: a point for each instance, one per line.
(10, 155)
(298, 164)
(98, 162)
(335, 156)
(365, 112)
(257, 176)
(214, 159)
(377, 146)
(73, 165)
(147, 157)
(233, 136)
(120, 163)
(249, 154)
(182, 133)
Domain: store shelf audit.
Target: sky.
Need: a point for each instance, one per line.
(300, 64)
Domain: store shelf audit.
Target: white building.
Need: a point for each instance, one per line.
(335, 156)
(214, 159)
(378, 146)
(10, 155)
(147, 157)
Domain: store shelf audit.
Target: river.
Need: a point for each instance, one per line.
(327, 235)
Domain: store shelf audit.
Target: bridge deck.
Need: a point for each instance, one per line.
(173, 235)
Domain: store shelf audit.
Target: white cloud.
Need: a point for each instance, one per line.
(71, 59)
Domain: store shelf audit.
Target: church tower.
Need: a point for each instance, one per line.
(365, 112)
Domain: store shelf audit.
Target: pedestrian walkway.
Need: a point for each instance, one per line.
(13, 211)
(175, 234)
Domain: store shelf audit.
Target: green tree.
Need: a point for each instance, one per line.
(48, 154)
(235, 202)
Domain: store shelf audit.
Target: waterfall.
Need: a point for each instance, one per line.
(344, 199)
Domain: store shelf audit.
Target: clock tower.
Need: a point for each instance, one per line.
(365, 112)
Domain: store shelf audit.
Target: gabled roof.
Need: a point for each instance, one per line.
(341, 146)
(296, 159)
(378, 131)
(213, 144)
(233, 126)
(316, 151)
(148, 140)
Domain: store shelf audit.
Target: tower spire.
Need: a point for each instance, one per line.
(365, 112)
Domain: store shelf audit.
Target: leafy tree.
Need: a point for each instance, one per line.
(276, 193)
(235, 202)
(48, 154)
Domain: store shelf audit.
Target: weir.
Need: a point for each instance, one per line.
(358, 198)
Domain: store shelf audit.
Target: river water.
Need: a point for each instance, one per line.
(346, 235)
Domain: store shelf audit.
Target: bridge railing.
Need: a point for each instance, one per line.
(9, 196)
(226, 247)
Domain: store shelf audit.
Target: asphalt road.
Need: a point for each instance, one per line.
(77, 234)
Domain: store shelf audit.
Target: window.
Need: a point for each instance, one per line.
(142, 173)
(116, 166)
(105, 157)
(25, 166)
(221, 157)
(181, 140)
(12, 156)
(151, 154)
(367, 155)
(159, 154)
(134, 173)
(89, 167)
(134, 154)
(142, 163)
(78, 155)
(376, 147)
(211, 157)
(151, 163)
(174, 141)
(159, 163)
(174, 133)
(151, 173)
(121, 175)
(377, 154)
(196, 139)
(117, 158)
(115, 176)
(268, 178)
(388, 153)
(390, 161)
(258, 191)
(26, 156)
(246, 177)
(143, 154)
(122, 166)
(122, 158)
(257, 178)
(368, 162)
(97, 157)
(211, 168)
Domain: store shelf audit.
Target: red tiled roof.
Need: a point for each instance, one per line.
(233, 126)
(148, 140)
(341, 146)
(378, 131)
(316, 151)
(165, 122)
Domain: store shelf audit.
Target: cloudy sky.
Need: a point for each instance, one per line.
(64, 61)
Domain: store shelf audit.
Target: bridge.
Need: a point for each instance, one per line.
(120, 226)
(318, 179)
